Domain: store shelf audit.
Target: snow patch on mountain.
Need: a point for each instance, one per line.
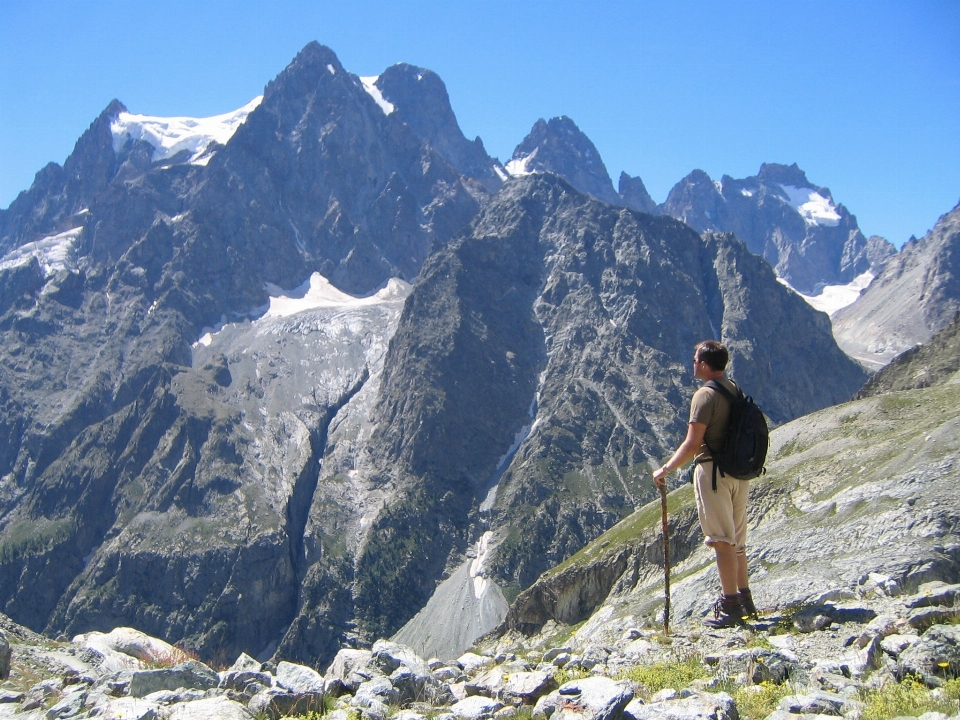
(316, 292)
(172, 135)
(369, 84)
(814, 208)
(53, 253)
(518, 166)
(834, 297)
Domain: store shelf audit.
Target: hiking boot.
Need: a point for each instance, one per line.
(746, 604)
(727, 613)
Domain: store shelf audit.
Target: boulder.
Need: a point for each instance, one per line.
(756, 665)
(299, 679)
(277, 702)
(472, 663)
(376, 690)
(935, 657)
(239, 679)
(593, 698)
(213, 708)
(131, 709)
(476, 707)
(190, 675)
(935, 593)
(347, 671)
(929, 616)
(822, 703)
(133, 643)
(245, 662)
(692, 706)
(895, 644)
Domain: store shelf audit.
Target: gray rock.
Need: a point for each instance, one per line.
(378, 689)
(172, 697)
(825, 703)
(476, 707)
(935, 593)
(592, 698)
(928, 617)
(131, 709)
(696, 706)
(245, 662)
(190, 675)
(69, 707)
(11, 696)
(214, 708)
(934, 657)
(299, 678)
(240, 679)
(347, 671)
(756, 665)
(471, 662)
(277, 702)
(895, 644)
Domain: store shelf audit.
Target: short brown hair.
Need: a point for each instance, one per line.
(713, 354)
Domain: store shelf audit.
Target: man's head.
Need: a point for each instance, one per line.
(713, 353)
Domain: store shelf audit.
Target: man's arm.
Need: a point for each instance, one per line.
(686, 452)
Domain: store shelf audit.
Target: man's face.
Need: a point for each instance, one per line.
(698, 367)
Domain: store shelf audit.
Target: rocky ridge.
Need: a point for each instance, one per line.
(916, 296)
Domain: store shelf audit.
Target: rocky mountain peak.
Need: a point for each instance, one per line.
(559, 146)
(419, 98)
(313, 62)
(783, 175)
(635, 195)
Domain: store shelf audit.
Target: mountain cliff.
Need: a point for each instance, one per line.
(916, 296)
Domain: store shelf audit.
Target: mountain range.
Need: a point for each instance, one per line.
(296, 383)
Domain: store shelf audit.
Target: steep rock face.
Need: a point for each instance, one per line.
(634, 194)
(558, 146)
(808, 239)
(916, 295)
(920, 366)
(547, 351)
(420, 100)
(144, 482)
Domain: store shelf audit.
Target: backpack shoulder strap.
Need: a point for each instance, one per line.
(714, 385)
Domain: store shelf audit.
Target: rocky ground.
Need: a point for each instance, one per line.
(874, 655)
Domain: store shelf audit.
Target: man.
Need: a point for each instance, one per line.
(723, 512)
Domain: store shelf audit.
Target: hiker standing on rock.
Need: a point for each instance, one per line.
(722, 508)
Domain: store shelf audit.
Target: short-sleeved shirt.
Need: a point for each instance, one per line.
(712, 409)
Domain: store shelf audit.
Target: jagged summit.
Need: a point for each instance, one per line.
(634, 194)
(783, 175)
(420, 100)
(559, 146)
(809, 239)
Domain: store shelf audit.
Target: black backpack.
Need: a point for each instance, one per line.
(745, 449)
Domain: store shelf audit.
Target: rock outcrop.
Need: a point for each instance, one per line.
(916, 296)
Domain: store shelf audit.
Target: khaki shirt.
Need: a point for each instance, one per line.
(712, 409)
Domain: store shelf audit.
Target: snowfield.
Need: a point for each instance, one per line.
(172, 135)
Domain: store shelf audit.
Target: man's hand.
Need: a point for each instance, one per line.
(660, 477)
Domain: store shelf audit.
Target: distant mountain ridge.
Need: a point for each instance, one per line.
(808, 239)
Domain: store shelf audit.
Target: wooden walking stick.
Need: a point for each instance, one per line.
(666, 561)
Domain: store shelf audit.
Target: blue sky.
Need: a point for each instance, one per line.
(864, 96)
